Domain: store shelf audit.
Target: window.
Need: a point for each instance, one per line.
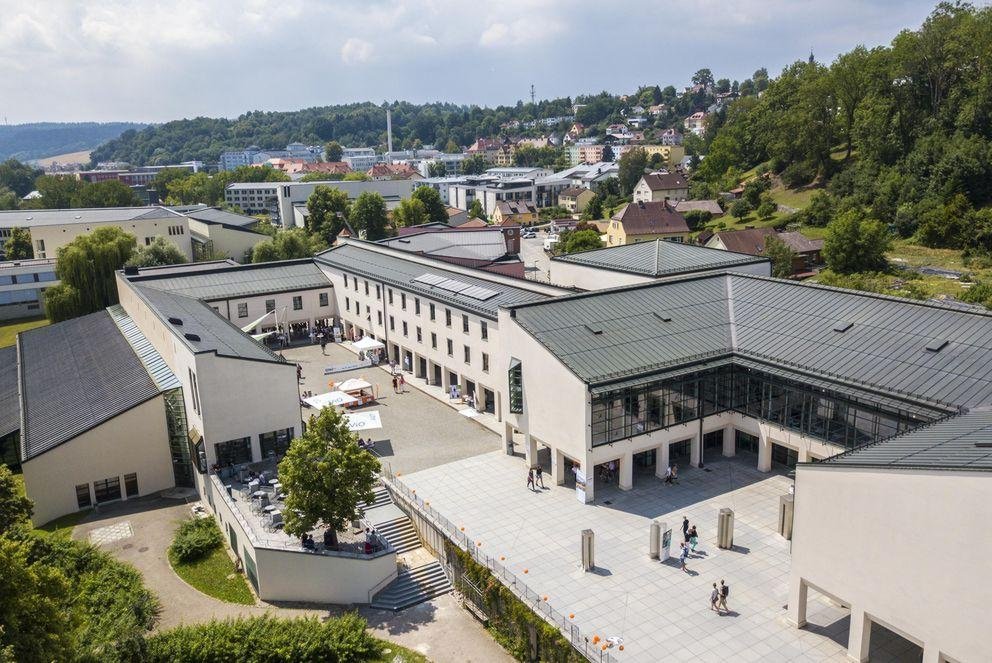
(433, 315)
(403, 301)
(516, 381)
(416, 305)
(468, 355)
(131, 485)
(83, 495)
(406, 331)
(392, 324)
(233, 452)
(275, 443)
(434, 340)
(107, 490)
(378, 292)
(345, 280)
(447, 317)
(298, 303)
(465, 323)
(270, 305)
(323, 299)
(420, 335)
(347, 303)
(451, 348)
(485, 329)
(378, 315)
(389, 293)
(366, 287)
(193, 391)
(243, 310)
(354, 282)
(485, 362)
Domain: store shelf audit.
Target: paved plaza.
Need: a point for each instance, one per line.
(661, 612)
(418, 431)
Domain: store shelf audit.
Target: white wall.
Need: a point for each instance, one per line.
(907, 548)
(235, 244)
(57, 236)
(136, 441)
(392, 191)
(312, 310)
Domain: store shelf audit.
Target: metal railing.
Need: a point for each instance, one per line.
(569, 630)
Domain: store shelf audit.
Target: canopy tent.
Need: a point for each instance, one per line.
(353, 384)
(320, 401)
(363, 421)
(251, 325)
(367, 343)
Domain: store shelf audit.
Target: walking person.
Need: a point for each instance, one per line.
(724, 593)
(539, 479)
(323, 344)
(683, 555)
(530, 479)
(693, 538)
(675, 473)
(668, 474)
(395, 385)
(685, 527)
(402, 382)
(715, 599)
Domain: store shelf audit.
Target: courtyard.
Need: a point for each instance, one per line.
(659, 611)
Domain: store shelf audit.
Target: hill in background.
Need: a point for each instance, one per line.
(45, 139)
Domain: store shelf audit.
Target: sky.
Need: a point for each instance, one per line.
(152, 61)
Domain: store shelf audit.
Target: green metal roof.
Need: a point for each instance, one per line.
(659, 258)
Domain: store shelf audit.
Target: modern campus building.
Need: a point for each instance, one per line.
(22, 287)
(287, 201)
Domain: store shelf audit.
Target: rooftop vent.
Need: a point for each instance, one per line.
(130, 270)
(176, 321)
(664, 317)
(983, 445)
(192, 337)
(937, 344)
(595, 329)
(843, 326)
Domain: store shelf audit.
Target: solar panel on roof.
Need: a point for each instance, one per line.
(451, 285)
(480, 293)
(430, 279)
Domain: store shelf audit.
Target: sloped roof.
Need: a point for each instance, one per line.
(799, 243)
(658, 258)
(711, 206)
(752, 240)
(654, 218)
(480, 245)
(55, 217)
(212, 215)
(10, 407)
(229, 282)
(665, 181)
(512, 207)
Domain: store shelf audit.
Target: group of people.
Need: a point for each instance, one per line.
(535, 476)
(320, 333)
(690, 539)
(368, 444)
(672, 474)
(399, 383)
(718, 597)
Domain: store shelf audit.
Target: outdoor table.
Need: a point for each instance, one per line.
(276, 486)
(258, 494)
(270, 509)
(273, 482)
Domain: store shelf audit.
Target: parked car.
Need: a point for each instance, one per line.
(528, 234)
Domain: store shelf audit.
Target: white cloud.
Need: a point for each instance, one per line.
(494, 35)
(356, 51)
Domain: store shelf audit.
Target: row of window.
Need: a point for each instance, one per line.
(238, 451)
(177, 230)
(34, 277)
(270, 304)
(106, 490)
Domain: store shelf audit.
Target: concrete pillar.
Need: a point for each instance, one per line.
(798, 595)
(590, 481)
(661, 461)
(558, 463)
(764, 454)
(530, 450)
(931, 655)
(508, 438)
(627, 471)
(445, 381)
(859, 640)
(803, 454)
(729, 442)
(695, 450)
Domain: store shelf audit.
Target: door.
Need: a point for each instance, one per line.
(436, 380)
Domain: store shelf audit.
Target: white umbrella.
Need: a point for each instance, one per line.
(320, 401)
(367, 343)
(354, 384)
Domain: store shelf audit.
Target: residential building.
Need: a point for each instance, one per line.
(253, 197)
(645, 222)
(487, 147)
(575, 199)
(519, 172)
(753, 241)
(392, 171)
(517, 213)
(452, 164)
(360, 159)
(670, 137)
(657, 187)
(588, 154)
(696, 123)
(489, 191)
(670, 154)
(22, 287)
(590, 176)
(51, 229)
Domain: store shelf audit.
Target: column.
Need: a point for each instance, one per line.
(729, 442)
(931, 654)
(661, 461)
(803, 453)
(695, 449)
(530, 450)
(558, 462)
(764, 453)
(445, 381)
(508, 438)
(859, 640)
(627, 471)
(590, 470)
(798, 592)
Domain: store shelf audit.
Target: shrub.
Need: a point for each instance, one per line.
(697, 218)
(798, 174)
(195, 539)
(267, 639)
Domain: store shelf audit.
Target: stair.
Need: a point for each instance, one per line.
(382, 497)
(413, 586)
(400, 533)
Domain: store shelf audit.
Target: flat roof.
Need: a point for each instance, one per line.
(75, 375)
(485, 244)
(914, 349)
(35, 218)
(658, 258)
(215, 216)
(394, 267)
(951, 443)
(235, 281)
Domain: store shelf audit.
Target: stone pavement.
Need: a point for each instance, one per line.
(661, 612)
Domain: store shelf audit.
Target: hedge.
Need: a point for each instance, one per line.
(195, 539)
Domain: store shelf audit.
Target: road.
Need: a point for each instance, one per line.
(536, 261)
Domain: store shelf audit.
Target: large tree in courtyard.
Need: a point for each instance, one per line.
(368, 214)
(86, 267)
(437, 212)
(410, 212)
(18, 245)
(325, 476)
(327, 209)
(632, 165)
(160, 252)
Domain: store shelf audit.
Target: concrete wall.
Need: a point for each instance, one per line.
(311, 311)
(909, 549)
(136, 441)
(57, 236)
(289, 194)
(235, 244)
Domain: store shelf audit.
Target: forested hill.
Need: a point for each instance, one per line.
(362, 124)
(900, 134)
(45, 139)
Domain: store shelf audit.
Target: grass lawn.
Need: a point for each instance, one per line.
(61, 528)
(391, 650)
(794, 198)
(10, 328)
(215, 576)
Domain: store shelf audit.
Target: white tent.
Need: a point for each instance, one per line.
(363, 421)
(367, 343)
(353, 384)
(320, 401)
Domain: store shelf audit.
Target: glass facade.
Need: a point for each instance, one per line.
(836, 417)
(516, 382)
(175, 418)
(275, 443)
(233, 452)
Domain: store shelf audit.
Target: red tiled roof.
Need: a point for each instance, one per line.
(651, 219)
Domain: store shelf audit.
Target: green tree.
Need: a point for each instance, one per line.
(190, 190)
(111, 193)
(475, 210)
(855, 243)
(86, 266)
(581, 240)
(57, 191)
(702, 77)
(326, 476)
(8, 199)
(333, 151)
(18, 177)
(436, 169)
(740, 209)
(287, 245)
(632, 165)
(410, 212)
(368, 215)
(356, 177)
(451, 147)
(781, 256)
(437, 212)
(474, 165)
(327, 209)
(767, 208)
(165, 177)
(18, 245)
(15, 507)
(593, 209)
(160, 252)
